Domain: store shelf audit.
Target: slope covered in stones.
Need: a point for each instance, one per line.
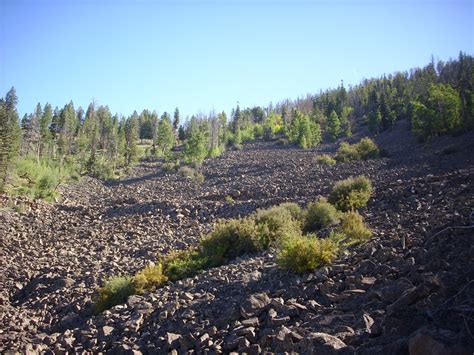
(379, 298)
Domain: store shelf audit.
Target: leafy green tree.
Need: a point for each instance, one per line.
(439, 114)
(334, 126)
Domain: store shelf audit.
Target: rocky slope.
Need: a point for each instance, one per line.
(410, 289)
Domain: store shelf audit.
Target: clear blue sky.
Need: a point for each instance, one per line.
(200, 55)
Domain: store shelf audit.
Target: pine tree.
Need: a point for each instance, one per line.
(9, 134)
(131, 137)
(46, 136)
(176, 120)
(334, 126)
(165, 137)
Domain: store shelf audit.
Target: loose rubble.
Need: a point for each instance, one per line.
(409, 290)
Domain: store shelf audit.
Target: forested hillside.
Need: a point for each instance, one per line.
(51, 146)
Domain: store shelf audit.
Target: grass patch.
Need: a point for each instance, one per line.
(351, 193)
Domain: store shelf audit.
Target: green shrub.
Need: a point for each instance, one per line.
(258, 131)
(183, 264)
(295, 210)
(325, 159)
(320, 215)
(231, 239)
(347, 152)
(229, 199)
(216, 151)
(367, 149)
(275, 224)
(149, 278)
(170, 166)
(354, 229)
(115, 291)
(306, 253)
(41, 179)
(351, 193)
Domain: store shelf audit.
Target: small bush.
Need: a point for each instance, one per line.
(231, 239)
(114, 291)
(190, 173)
(149, 278)
(319, 215)
(229, 199)
(183, 264)
(186, 172)
(216, 151)
(354, 229)
(347, 152)
(276, 224)
(351, 193)
(367, 149)
(295, 210)
(170, 166)
(302, 254)
(325, 159)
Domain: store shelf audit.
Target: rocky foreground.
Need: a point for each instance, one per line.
(409, 290)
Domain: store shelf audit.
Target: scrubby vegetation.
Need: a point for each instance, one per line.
(41, 179)
(281, 228)
(325, 159)
(353, 227)
(363, 150)
(190, 173)
(115, 291)
(351, 193)
(306, 253)
(320, 215)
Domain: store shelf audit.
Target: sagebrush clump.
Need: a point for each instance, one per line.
(365, 149)
(354, 228)
(115, 291)
(275, 224)
(304, 253)
(325, 159)
(320, 215)
(351, 193)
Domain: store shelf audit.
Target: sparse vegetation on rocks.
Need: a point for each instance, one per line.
(325, 159)
(363, 150)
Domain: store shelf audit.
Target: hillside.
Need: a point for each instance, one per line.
(410, 288)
